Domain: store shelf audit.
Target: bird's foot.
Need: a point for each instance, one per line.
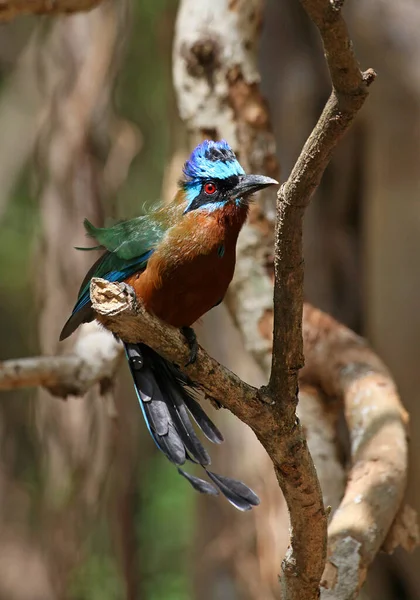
(127, 290)
(191, 338)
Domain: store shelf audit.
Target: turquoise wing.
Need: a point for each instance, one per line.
(128, 246)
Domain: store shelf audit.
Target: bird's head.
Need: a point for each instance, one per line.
(213, 177)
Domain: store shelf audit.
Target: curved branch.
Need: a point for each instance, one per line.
(343, 365)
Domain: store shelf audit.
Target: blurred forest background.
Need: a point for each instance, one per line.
(89, 128)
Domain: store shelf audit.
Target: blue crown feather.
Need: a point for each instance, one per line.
(212, 160)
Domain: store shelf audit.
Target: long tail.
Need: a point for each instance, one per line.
(166, 397)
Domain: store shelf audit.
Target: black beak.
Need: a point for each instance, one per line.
(248, 184)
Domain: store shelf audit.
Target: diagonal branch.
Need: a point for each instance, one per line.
(118, 310)
(350, 89)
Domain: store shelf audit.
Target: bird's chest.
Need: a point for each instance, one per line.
(189, 274)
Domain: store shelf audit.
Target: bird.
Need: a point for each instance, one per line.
(179, 259)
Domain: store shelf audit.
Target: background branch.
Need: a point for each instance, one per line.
(10, 9)
(343, 365)
(94, 358)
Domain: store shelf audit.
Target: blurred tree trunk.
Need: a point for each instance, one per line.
(79, 436)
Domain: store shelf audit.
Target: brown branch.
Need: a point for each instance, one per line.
(10, 9)
(72, 374)
(346, 368)
(118, 310)
(343, 366)
(349, 92)
(338, 361)
(303, 567)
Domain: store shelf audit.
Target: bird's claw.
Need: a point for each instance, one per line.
(128, 290)
(191, 339)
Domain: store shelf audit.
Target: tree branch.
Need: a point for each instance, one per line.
(118, 310)
(217, 82)
(92, 360)
(10, 9)
(343, 365)
(284, 442)
(348, 95)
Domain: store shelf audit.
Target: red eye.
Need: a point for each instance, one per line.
(210, 188)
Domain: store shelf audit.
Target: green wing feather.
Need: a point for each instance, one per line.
(128, 239)
(128, 246)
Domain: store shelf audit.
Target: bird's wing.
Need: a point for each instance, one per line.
(128, 239)
(128, 246)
